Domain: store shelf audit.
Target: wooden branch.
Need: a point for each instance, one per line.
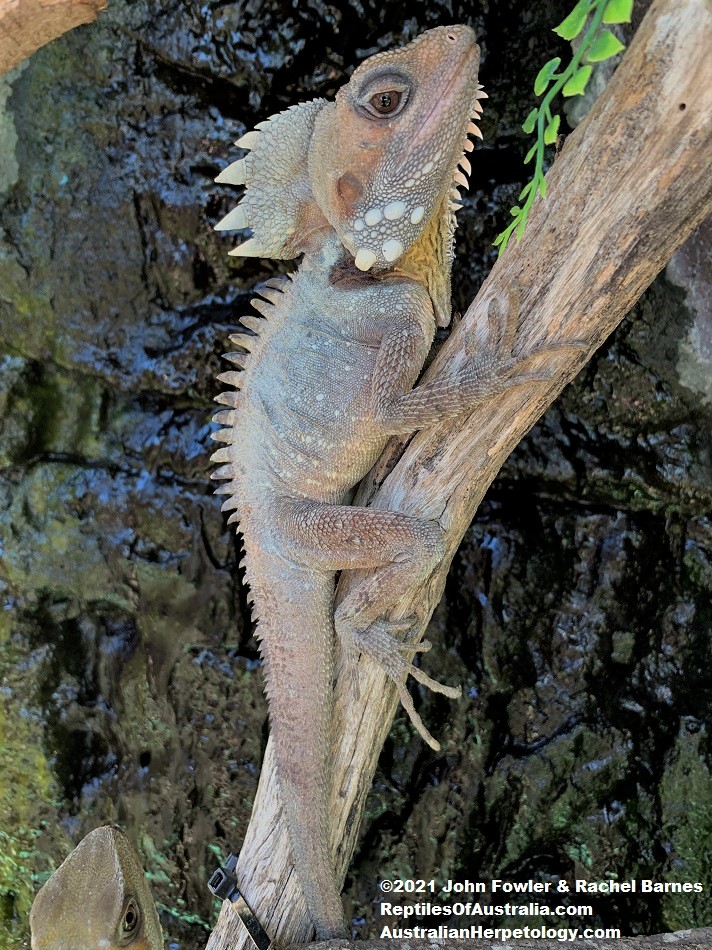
(700, 939)
(25, 25)
(630, 185)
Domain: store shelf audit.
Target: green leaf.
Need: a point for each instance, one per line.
(576, 85)
(530, 121)
(603, 47)
(531, 153)
(618, 11)
(525, 190)
(504, 237)
(542, 187)
(552, 130)
(574, 22)
(545, 74)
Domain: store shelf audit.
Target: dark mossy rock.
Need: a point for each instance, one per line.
(578, 610)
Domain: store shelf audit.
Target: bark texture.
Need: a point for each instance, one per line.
(699, 939)
(629, 187)
(25, 25)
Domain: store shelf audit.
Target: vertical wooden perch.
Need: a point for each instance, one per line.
(630, 185)
(25, 25)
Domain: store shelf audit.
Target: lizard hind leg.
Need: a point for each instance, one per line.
(402, 551)
(380, 642)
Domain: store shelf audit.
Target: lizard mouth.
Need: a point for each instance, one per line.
(459, 177)
(392, 246)
(429, 163)
(463, 80)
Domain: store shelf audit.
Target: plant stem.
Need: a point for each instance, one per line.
(545, 115)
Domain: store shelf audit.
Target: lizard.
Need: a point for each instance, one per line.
(97, 899)
(365, 189)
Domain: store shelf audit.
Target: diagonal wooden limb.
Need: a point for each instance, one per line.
(25, 25)
(630, 185)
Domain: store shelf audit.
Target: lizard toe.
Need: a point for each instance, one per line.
(380, 643)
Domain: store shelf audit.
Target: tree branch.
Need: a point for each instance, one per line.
(632, 182)
(681, 940)
(25, 25)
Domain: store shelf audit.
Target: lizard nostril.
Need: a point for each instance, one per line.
(452, 37)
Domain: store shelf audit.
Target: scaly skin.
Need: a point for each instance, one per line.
(367, 197)
(98, 898)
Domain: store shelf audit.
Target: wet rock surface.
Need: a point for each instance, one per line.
(578, 611)
(691, 269)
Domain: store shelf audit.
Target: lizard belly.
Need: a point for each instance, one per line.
(308, 407)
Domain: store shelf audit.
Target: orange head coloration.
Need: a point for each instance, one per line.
(379, 167)
(383, 155)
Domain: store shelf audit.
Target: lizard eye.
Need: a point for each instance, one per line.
(386, 103)
(130, 922)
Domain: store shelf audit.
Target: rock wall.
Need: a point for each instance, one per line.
(578, 611)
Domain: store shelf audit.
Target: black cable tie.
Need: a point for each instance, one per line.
(223, 884)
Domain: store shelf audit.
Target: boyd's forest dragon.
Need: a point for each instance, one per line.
(98, 899)
(366, 188)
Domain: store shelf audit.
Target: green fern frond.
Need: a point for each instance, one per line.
(596, 46)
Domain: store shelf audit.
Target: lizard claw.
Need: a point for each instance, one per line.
(423, 647)
(380, 644)
(517, 372)
(545, 350)
(497, 363)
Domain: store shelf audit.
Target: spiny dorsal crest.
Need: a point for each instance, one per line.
(278, 199)
(228, 457)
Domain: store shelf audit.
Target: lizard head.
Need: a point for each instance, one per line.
(380, 165)
(97, 898)
(386, 157)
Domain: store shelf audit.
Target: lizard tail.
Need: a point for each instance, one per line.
(296, 637)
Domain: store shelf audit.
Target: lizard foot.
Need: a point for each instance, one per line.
(381, 644)
(514, 371)
(499, 359)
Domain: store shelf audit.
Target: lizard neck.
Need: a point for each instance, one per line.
(429, 261)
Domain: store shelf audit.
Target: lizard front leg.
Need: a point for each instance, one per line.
(404, 551)
(493, 368)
